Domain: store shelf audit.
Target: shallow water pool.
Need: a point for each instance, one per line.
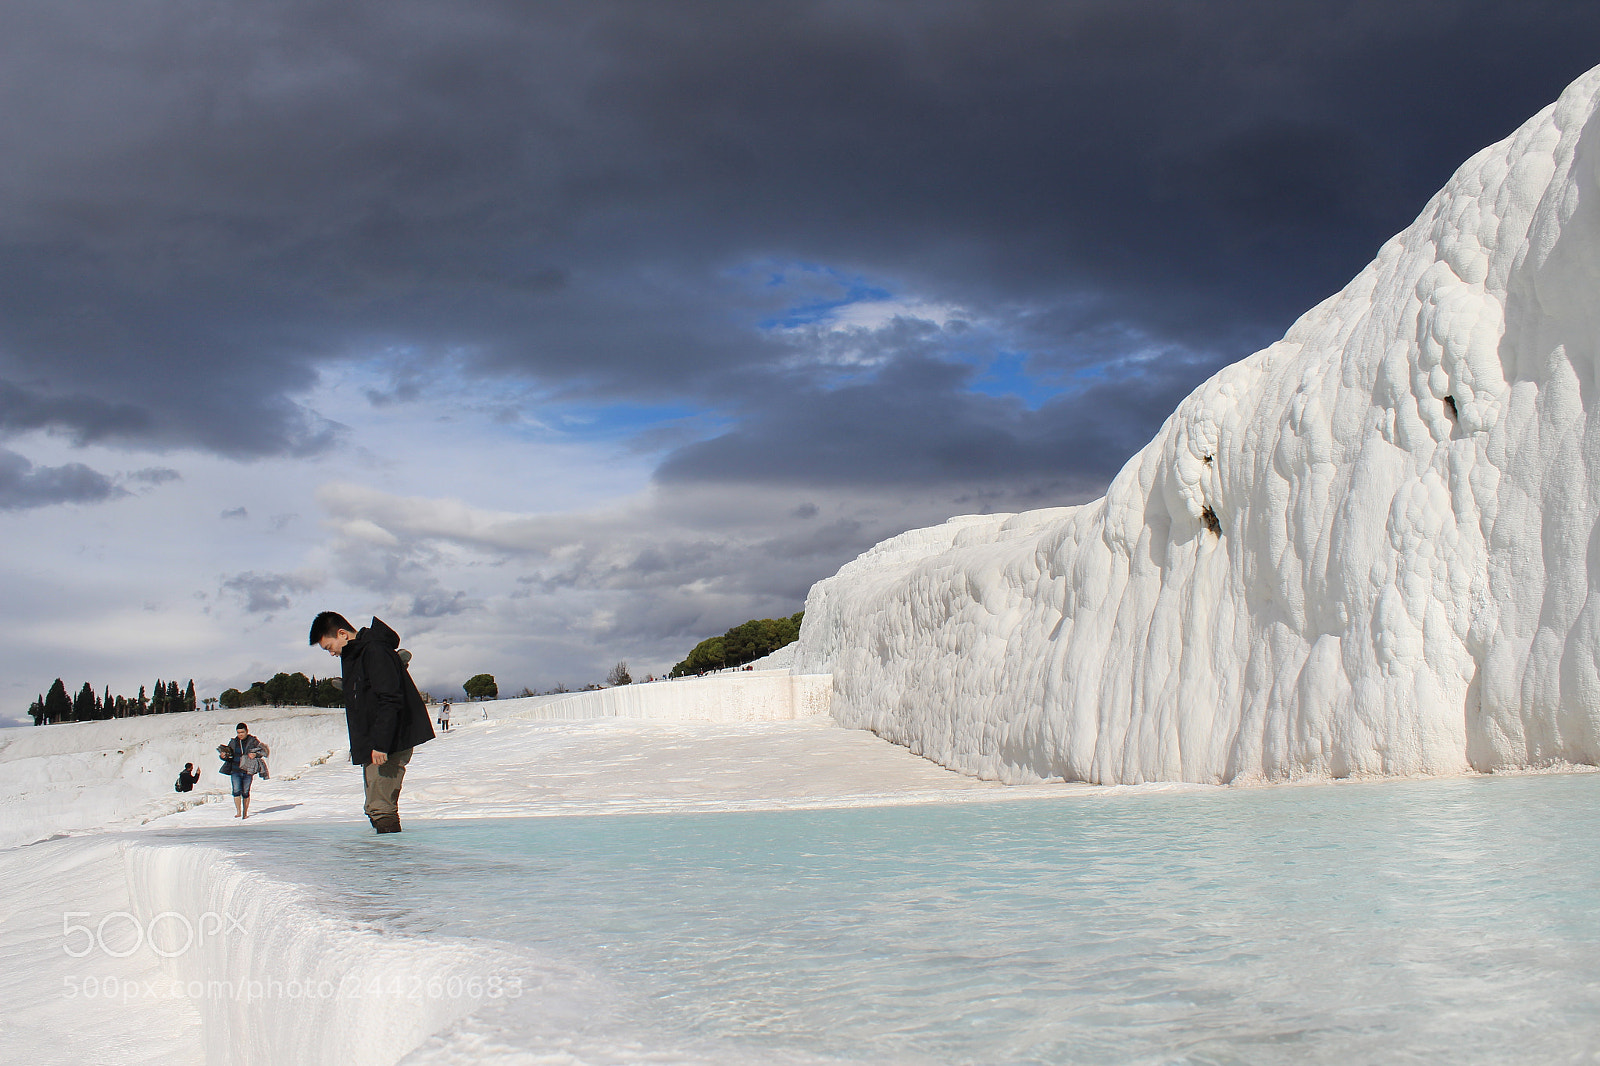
(1433, 921)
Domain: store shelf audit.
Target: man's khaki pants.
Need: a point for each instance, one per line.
(383, 790)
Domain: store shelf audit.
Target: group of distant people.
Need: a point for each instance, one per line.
(384, 712)
(243, 758)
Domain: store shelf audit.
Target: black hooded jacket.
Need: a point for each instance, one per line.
(382, 706)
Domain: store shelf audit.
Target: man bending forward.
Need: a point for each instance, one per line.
(382, 708)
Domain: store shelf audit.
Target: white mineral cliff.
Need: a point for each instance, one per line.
(1371, 548)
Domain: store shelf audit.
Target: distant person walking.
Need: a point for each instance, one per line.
(186, 778)
(444, 716)
(247, 756)
(383, 710)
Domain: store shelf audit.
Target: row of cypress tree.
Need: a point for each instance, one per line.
(87, 706)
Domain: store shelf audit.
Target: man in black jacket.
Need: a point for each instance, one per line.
(382, 708)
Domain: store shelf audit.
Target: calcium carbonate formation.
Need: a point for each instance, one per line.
(1371, 548)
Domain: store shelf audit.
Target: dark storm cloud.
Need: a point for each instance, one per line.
(264, 593)
(916, 423)
(24, 486)
(197, 212)
(85, 417)
(438, 603)
(153, 476)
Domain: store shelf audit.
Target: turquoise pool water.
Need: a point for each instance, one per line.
(1420, 922)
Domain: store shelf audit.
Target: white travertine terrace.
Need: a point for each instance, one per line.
(1402, 577)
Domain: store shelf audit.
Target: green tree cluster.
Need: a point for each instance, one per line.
(88, 706)
(742, 644)
(481, 687)
(285, 690)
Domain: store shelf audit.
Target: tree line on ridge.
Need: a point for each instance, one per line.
(744, 643)
(56, 706)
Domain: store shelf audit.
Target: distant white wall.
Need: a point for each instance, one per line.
(755, 696)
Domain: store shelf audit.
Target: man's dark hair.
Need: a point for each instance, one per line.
(327, 624)
(242, 726)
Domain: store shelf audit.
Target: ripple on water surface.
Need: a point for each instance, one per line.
(1429, 921)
